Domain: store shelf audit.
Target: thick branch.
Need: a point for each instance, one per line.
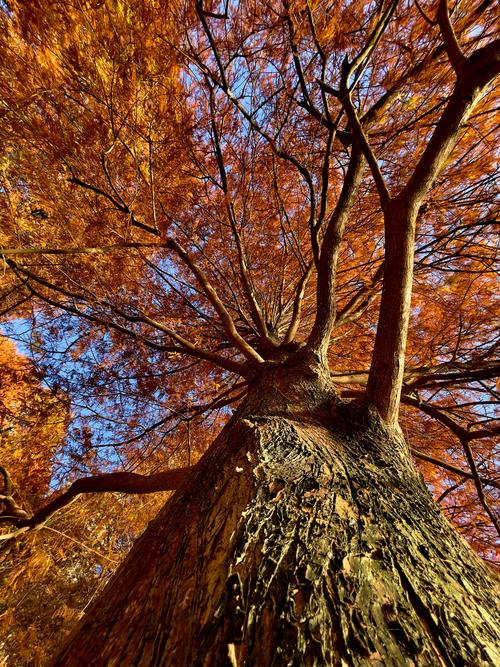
(429, 377)
(117, 482)
(478, 72)
(455, 53)
(325, 292)
(387, 369)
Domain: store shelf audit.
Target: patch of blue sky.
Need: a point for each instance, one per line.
(104, 406)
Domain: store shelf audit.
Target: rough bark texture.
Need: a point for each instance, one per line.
(305, 537)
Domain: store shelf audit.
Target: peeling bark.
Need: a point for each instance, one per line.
(304, 537)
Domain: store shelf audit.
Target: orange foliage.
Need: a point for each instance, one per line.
(168, 175)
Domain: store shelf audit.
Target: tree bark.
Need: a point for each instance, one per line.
(305, 537)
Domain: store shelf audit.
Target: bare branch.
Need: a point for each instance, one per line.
(455, 53)
(239, 342)
(116, 482)
(80, 250)
(325, 291)
(451, 468)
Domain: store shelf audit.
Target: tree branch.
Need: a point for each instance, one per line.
(246, 279)
(326, 284)
(475, 75)
(116, 482)
(184, 347)
(451, 45)
(400, 217)
(82, 250)
(226, 319)
(451, 468)
(118, 204)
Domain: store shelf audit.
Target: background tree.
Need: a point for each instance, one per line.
(238, 213)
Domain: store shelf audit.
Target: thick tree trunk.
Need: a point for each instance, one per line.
(305, 537)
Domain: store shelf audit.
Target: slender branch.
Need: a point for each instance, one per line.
(424, 15)
(362, 139)
(478, 484)
(81, 544)
(184, 347)
(295, 53)
(223, 84)
(297, 304)
(246, 279)
(359, 63)
(227, 321)
(451, 468)
(360, 301)
(118, 204)
(86, 250)
(462, 436)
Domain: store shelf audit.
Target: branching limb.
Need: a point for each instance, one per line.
(464, 437)
(478, 484)
(400, 217)
(486, 481)
(326, 284)
(184, 346)
(450, 41)
(226, 319)
(297, 304)
(363, 298)
(255, 309)
(479, 70)
(116, 482)
(119, 204)
(361, 138)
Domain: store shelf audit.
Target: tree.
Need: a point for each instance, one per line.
(213, 205)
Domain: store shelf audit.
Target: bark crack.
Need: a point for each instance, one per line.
(430, 627)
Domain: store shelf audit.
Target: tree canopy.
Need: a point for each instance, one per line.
(190, 192)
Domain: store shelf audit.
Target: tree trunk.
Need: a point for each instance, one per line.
(305, 537)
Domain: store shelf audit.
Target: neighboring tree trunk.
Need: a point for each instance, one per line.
(305, 537)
